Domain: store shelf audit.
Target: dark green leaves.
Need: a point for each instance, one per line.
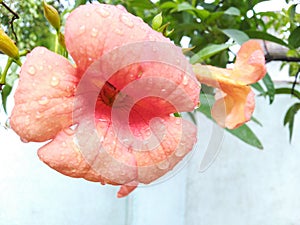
(265, 36)
(290, 117)
(208, 51)
(267, 80)
(294, 38)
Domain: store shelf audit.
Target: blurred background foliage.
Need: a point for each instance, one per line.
(209, 27)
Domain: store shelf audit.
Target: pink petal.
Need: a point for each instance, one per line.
(95, 29)
(44, 96)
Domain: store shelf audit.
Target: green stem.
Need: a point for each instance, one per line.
(3, 75)
(56, 43)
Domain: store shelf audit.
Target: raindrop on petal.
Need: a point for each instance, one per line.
(54, 81)
(180, 151)
(94, 32)
(127, 21)
(103, 12)
(81, 29)
(185, 80)
(31, 70)
(44, 100)
(163, 165)
(118, 31)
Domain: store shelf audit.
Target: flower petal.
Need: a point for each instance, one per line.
(234, 108)
(44, 96)
(93, 30)
(249, 66)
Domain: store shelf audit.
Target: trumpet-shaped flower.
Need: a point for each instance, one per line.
(234, 98)
(131, 137)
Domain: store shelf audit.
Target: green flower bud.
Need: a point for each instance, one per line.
(51, 15)
(157, 21)
(7, 46)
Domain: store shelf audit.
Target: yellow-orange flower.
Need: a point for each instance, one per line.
(234, 98)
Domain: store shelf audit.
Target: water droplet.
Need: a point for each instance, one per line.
(121, 7)
(31, 70)
(54, 81)
(118, 31)
(41, 67)
(44, 100)
(42, 51)
(49, 67)
(64, 144)
(81, 29)
(38, 115)
(180, 151)
(163, 165)
(94, 32)
(87, 14)
(148, 133)
(185, 80)
(69, 131)
(103, 12)
(154, 49)
(163, 90)
(126, 20)
(24, 140)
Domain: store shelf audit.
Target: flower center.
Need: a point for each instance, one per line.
(108, 93)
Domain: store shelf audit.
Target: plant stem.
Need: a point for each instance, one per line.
(3, 75)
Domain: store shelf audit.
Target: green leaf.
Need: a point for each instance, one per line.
(184, 6)
(265, 36)
(233, 11)
(208, 51)
(202, 13)
(258, 87)
(292, 11)
(4, 95)
(290, 116)
(288, 91)
(168, 5)
(256, 121)
(267, 80)
(245, 134)
(294, 38)
(143, 4)
(238, 36)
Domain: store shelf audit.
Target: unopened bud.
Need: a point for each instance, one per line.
(51, 15)
(157, 21)
(7, 46)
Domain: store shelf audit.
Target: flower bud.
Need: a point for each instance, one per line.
(157, 21)
(51, 15)
(7, 46)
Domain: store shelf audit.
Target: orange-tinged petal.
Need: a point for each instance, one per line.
(95, 29)
(249, 66)
(234, 108)
(44, 96)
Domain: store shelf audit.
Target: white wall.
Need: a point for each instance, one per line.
(243, 186)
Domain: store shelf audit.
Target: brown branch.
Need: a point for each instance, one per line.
(270, 58)
(11, 22)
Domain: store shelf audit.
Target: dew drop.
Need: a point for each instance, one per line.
(163, 165)
(64, 144)
(94, 32)
(126, 20)
(24, 140)
(121, 7)
(185, 80)
(180, 151)
(41, 67)
(54, 81)
(163, 90)
(44, 100)
(42, 51)
(38, 115)
(148, 133)
(103, 12)
(69, 131)
(118, 31)
(87, 14)
(178, 122)
(31, 70)
(81, 29)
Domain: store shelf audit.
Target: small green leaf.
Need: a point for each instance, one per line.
(265, 36)
(168, 5)
(267, 80)
(238, 36)
(256, 121)
(258, 87)
(233, 11)
(294, 38)
(290, 116)
(184, 6)
(208, 51)
(202, 13)
(292, 11)
(245, 134)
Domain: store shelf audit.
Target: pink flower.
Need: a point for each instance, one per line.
(119, 145)
(234, 99)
